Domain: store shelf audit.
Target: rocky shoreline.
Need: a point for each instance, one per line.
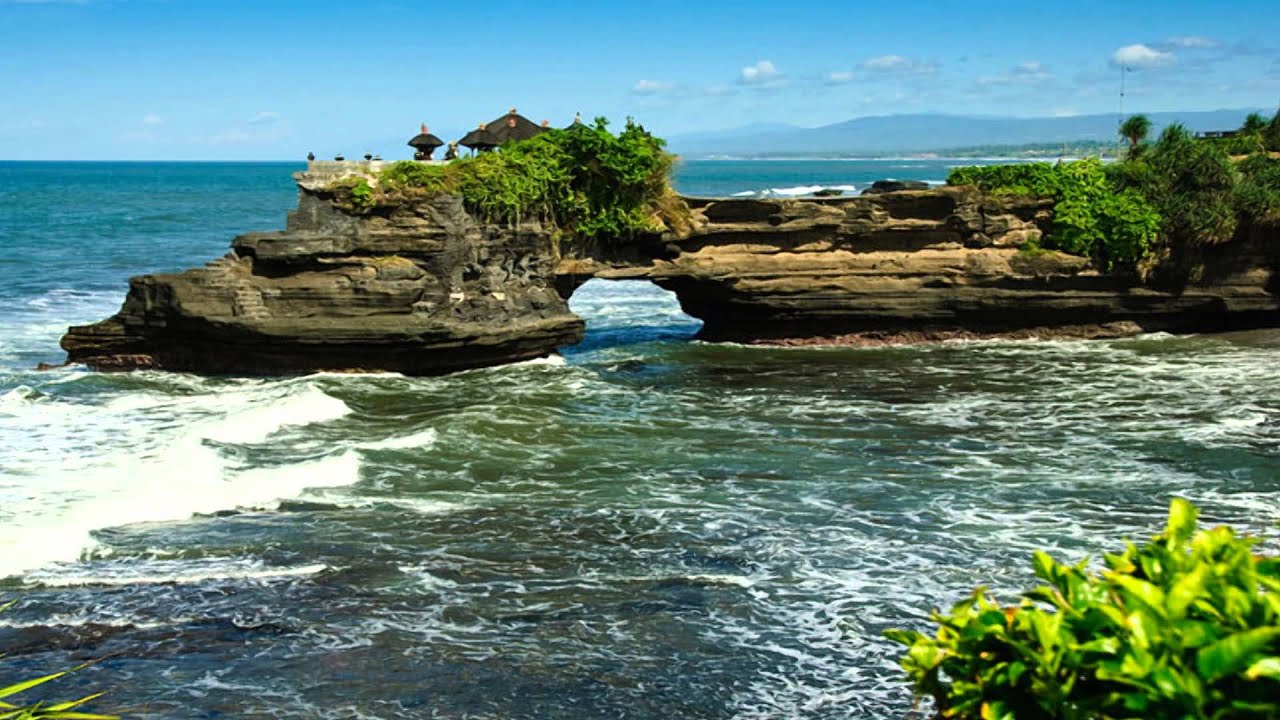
(423, 287)
(884, 338)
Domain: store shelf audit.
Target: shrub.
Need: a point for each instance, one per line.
(1090, 216)
(1258, 194)
(1186, 626)
(1193, 189)
(1271, 133)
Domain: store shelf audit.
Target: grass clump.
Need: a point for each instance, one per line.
(586, 181)
(1185, 626)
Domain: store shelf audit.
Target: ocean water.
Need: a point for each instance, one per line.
(645, 527)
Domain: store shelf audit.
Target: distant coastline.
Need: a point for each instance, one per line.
(985, 153)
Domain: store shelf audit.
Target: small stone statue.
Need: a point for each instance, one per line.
(452, 152)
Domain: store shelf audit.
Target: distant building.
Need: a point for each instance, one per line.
(424, 144)
(510, 127)
(1213, 134)
(480, 139)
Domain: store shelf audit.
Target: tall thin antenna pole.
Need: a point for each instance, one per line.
(1123, 69)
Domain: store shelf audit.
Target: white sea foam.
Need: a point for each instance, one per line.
(185, 572)
(146, 459)
(418, 440)
(796, 191)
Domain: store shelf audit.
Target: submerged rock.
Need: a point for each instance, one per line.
(885, 186)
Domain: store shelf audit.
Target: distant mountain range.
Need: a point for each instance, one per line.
(888, 134)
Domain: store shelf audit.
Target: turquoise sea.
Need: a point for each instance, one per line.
(645, 527)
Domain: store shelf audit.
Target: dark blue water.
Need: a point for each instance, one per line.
(648, 527)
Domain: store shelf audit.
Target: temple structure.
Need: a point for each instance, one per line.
(424, 144)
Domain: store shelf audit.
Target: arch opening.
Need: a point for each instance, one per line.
(628, 312)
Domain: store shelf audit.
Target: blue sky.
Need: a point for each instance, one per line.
(272, 79)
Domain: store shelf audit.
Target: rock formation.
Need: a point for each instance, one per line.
(421, 289)
(424, 288)
(923, 263)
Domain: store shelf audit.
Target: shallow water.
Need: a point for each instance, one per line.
(646, 527)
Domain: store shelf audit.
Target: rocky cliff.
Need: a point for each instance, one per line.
(420, 289)
(423, 288)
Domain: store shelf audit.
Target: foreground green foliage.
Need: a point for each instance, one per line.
(1089, 217)
(45, 711)
(585, 180)
(1185, 626)
(1162, 206)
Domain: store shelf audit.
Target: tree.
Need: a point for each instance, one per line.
(1271, 134)
(1135, 130)
(1254, 123)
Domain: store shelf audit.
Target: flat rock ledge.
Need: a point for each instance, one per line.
(424, 288)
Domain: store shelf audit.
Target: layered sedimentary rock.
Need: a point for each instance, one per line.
(922, 263)
(424, 288)
(420, 289)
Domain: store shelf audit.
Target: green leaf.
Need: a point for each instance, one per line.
(1234, 653)
(28, 684)
(1264, 668)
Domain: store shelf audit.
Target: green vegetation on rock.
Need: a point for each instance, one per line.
(1160, 207)
(1090, 217)
(1185, 626)
(585, 181)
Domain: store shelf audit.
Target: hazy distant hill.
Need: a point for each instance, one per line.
(921, 133)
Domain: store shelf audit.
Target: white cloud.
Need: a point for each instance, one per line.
(265, 117)
(650, 87)
(762, 73)
(152, 119)
(1141, 56)
(839, 77)
(1027, 73)
(1193, 41)
(898, 64)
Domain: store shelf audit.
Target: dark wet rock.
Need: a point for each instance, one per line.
(828, 192)
(888, 186)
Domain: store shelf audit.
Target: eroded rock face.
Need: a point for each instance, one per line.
(422, 289)
(922, 263)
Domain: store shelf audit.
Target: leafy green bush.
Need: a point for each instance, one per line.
(1090, 216)
(1258, 193)
(1271, 133)
(585, 180)
(1186, 626)
(1042, 179)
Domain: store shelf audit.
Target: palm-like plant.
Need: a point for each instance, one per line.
(1253, 123)
(1135, 130)
(1271, 133)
